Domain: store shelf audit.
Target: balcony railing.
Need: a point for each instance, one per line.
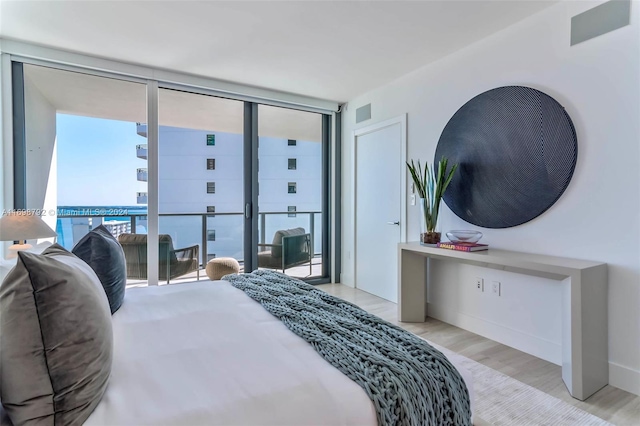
(142, 198)
(141, 129)
(269, 223)
(141, 151)
(143, 175)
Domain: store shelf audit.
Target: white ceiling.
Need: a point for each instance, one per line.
(332, 50)
(99, 97)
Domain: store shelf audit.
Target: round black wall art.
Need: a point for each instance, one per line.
(516, 148)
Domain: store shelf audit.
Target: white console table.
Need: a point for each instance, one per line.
(585, 364)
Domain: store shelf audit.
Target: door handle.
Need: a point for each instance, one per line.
(393, 223)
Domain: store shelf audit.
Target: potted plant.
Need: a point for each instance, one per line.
(430, 184)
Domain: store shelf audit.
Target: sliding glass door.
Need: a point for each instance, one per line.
(290, 183)
(227, 178)
(200, 186)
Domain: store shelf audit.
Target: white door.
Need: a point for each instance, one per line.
(379, 211)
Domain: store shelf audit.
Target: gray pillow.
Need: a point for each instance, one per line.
(56, 341)
(100, 250)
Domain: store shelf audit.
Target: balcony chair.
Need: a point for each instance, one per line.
(290, 247)
(172, 263)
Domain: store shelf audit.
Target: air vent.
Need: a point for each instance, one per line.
(600, 20)
(363, 113)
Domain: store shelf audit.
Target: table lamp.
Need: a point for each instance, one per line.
(22, 225)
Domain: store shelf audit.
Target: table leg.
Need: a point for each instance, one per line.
(412, 286)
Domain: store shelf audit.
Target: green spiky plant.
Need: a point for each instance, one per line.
(431, 184)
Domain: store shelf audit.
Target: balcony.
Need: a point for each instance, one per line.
(142, 198)
(143, 175)
(141, 129)
(141, 151)
(217, 235)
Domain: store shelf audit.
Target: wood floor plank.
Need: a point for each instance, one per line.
(611, 404)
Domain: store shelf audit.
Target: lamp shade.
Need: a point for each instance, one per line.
(23, 225)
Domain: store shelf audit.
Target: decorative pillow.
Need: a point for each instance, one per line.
(56, 341)
(277, 239)
(100, 250)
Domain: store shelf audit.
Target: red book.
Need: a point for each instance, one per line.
(463, 246)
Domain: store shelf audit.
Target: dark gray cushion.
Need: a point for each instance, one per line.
(277, 239)
(56, 341)
(100, 250)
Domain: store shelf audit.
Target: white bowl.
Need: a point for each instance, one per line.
(463, 236)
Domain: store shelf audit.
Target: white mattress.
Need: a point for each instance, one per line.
(205, 353)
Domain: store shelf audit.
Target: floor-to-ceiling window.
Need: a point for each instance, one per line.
(234, 178)
(82, 152)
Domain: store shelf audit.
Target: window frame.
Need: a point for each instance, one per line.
(293, 185)
(210, 87)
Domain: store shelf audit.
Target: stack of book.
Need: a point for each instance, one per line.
(462, 246)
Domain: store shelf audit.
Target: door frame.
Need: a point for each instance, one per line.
(402, 120)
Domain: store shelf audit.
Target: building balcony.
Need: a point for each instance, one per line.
(143, 175)
(142, 198)
(141, 151)
(217, 235)
(141, 129)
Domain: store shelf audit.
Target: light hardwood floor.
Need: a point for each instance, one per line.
(611, 404)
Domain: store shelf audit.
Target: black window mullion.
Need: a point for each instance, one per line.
(250, 186)
(19, 137)
(337, 197)
(326, 195)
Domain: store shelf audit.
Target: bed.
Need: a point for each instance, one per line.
(207, 353)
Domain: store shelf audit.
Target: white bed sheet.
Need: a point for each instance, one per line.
(206, 354)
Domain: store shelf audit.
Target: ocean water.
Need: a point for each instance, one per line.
(75, 221)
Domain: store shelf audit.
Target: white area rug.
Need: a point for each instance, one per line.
(502, 400)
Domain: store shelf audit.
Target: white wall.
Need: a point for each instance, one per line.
(183, 186)
(2, 173)
(597, 218)
(184, 175)
(6, 145)
(40, 134)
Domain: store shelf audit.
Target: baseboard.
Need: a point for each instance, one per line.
(541, 348)
(347, 279)
(624, 378)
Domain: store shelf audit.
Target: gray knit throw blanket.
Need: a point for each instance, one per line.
(409, 382)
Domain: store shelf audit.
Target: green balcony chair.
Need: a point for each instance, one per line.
(290, 247)
(172, 263)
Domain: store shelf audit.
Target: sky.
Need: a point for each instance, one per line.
(95, 151)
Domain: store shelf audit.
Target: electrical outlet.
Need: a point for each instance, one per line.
(413, 199)
(495, 287)
(479, 284)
